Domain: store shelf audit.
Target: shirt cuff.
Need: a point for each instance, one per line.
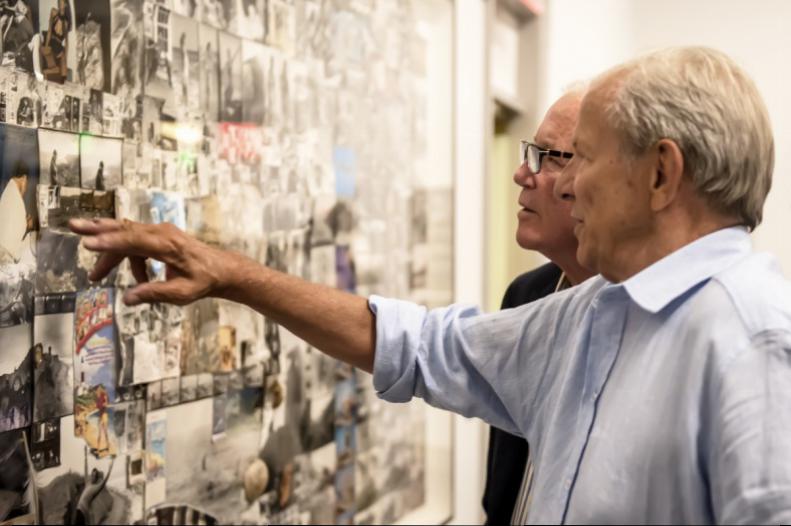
(398, 328)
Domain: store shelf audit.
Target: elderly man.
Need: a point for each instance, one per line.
(545, 224)
(656, 392)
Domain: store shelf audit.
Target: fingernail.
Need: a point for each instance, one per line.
(79, 223)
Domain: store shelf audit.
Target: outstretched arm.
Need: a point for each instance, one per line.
(338, 323)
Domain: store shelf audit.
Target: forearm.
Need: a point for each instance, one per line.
(335, 322)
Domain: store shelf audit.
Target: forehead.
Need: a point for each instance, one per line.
(557, 128)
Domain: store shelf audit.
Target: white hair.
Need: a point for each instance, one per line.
(699, 98)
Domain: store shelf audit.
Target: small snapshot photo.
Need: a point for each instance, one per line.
(101, 162)
(59, 158)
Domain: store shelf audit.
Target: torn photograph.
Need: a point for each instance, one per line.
(101, 162)
(230, 78)
(59, 158)
(16, 377)
(53, 356)
(93, 28)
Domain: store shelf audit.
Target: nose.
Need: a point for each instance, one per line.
(564, 184)
(524, 177)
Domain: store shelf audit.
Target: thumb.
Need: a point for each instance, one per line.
(175, 291)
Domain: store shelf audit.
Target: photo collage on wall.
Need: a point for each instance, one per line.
(267, 127)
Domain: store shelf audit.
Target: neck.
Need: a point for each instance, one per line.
(567, 261)
(666, 237)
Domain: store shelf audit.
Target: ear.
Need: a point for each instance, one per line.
(667, 174)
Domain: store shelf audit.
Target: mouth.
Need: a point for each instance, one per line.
(527, 209)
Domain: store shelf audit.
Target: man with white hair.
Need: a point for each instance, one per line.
(659, 391)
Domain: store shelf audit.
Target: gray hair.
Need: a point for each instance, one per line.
(699, 98)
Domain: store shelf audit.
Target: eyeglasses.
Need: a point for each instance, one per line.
(533, 155)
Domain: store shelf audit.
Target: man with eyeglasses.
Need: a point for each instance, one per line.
(545, 225)
(656, 392)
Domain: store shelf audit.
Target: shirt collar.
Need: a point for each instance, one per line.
(654, 287)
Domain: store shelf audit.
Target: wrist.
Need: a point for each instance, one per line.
(235, 277)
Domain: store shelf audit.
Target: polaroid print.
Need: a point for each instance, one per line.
(16, 377)
(126, 41)
(57, 36)
(250, 19)
(93, 28)
(100, 162)
(16, 476)
(94, 370)
(59, 158)
(18, 180)
(156, 457)
(53, 356)
(253, 90)
(230, 78)
(20, 28)
(45, 444)
(157, 73)
(185, 61)
(209, 72)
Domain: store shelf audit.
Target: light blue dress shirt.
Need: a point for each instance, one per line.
(662, 399)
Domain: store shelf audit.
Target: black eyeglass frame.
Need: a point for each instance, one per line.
(534, 161)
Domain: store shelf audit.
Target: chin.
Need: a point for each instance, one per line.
(527, 240)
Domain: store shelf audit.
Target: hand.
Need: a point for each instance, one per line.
(193, 270)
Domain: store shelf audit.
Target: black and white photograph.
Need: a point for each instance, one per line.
(93, 29)
(93, 113)
(45, 444)
(59, 158)
(16, 377)
(281, 31)
(189, 8)
(253, 89)
(16, 479)
(60, 106)
(230, 78)
(117, 502)
(185, 61)
(58, 204)
(157, 72)
(57, 41)
(19, 98)
(61, 263)
(101, 162)
(126, 41)
(19, 26)
(20, 175)
(209, 72)
(112, 117)
(53, 356)
(250, 19)
(171, 391)
(217, 13)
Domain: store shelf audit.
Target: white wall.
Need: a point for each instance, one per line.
(581, 38)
